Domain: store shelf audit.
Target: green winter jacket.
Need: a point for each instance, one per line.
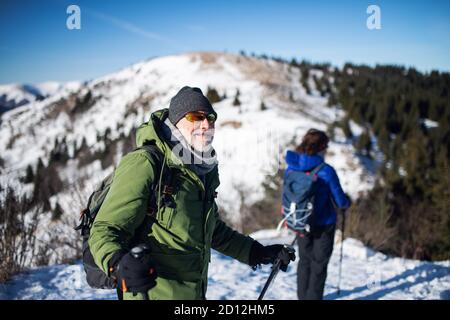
(180, 238)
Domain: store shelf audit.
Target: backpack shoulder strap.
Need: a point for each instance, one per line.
(317, 168)
(154, 153)
(163, 186)
(163, 179)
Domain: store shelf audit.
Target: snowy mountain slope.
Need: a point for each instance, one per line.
(366, 274)
(16, 95)
(250, 143)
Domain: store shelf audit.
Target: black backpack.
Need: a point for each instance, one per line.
(95, 276)
(299, 188)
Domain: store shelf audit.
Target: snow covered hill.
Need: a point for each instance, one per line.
(16, 95)
(94, 121)
(366, 275)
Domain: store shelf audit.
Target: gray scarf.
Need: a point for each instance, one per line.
(200, 162)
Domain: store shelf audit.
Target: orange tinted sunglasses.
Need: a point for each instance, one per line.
(200, 116)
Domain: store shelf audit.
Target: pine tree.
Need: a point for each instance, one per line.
(263, 106)
(212, 95)
(332, 99)
(236, 101)
(364, 144)
(304, 78)
(345, 125)
(294, 62)
(57, 212)
(29, 177)
(330, 130)
(392, 103)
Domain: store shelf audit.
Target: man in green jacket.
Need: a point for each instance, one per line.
(184, 225)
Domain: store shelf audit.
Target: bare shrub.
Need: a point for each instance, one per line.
(72, 240)
(231, 123)
(370, 221)
(18, 223)
(263, 214)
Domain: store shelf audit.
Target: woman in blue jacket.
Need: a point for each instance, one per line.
(316, 246)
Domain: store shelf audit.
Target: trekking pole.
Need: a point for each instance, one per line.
(341, 255)
(137, 253)
(275, 268)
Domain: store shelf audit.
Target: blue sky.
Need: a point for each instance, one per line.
(36, 45)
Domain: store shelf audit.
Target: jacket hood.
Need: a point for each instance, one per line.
(302, 161)
(151, 132)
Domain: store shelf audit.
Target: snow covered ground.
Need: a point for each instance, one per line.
(250, 144)
(365, 275)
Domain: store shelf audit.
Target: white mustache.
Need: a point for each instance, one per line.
(206, 133)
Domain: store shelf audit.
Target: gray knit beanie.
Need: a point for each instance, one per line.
(187, 100)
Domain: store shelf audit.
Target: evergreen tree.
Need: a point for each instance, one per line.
(57, 212)
(364, 144)
(29, 177)
(263, 106)
(304, 78)
(332, 99)
(330, 130)
(236, 101)
(345, 125)
(394, 103)
(212, 95)
(294, 63)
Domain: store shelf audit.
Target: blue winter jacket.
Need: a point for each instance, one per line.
(328, 189)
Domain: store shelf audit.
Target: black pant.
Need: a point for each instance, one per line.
(314, 251)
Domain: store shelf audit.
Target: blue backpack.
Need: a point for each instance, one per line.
(297, 207)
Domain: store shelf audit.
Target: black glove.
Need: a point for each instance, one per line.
(260, 254)
(134, 271)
